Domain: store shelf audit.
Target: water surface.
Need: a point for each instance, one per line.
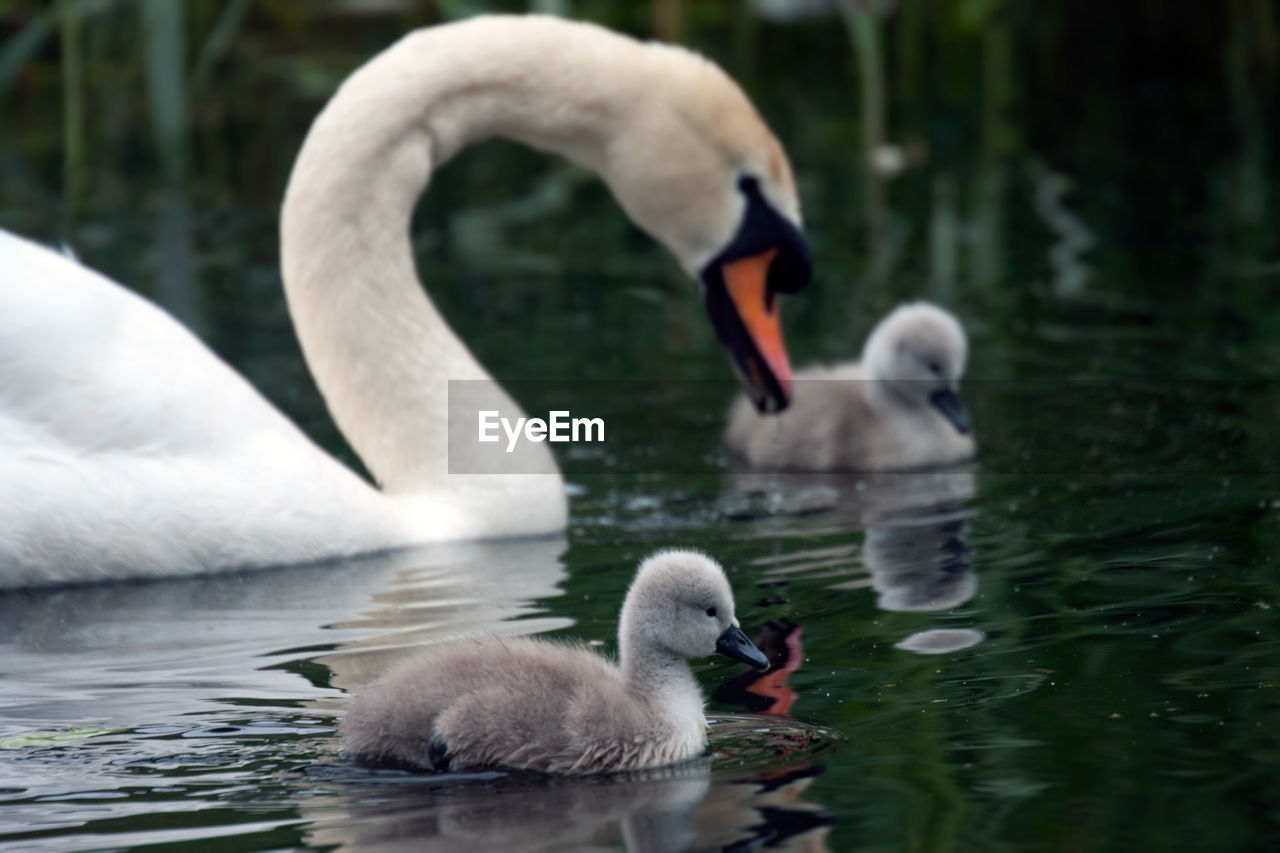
(1072, 644)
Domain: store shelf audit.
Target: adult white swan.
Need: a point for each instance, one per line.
(127, 449)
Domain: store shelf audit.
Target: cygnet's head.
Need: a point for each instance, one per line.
(680, 605)
(918, 352)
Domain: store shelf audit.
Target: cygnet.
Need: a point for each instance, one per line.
(538, 705)
(898, 408)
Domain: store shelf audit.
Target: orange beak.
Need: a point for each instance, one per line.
(746, 281)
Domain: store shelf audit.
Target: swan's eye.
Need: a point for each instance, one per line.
(711, 611)
(935, 368)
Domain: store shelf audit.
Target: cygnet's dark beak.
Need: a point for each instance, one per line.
(952, 409)
(733, 643)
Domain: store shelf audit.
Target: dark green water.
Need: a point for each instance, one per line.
(1091, 190)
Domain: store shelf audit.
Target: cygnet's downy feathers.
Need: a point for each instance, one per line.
(897, 408)
(538, 705)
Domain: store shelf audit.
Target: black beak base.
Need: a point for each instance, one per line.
(946, 402)
(733, 643)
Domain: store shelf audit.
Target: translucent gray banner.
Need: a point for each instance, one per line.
(1024, 427)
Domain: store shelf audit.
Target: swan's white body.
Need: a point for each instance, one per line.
(128, 449)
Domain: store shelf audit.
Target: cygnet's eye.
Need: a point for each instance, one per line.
(935, 368)
(711, 611)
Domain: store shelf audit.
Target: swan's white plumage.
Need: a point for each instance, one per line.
(128, 449)
(115, 462)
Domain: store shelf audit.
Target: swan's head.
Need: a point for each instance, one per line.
(918, 352)
(680, 606)
(694, 165)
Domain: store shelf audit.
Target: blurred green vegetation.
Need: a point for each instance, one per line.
(996, 153)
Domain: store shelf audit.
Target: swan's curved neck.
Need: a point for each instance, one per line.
(379, 349)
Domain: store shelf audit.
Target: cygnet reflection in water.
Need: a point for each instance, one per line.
(913, 552)
(684, 807)
(920, 568)
(846, 500)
